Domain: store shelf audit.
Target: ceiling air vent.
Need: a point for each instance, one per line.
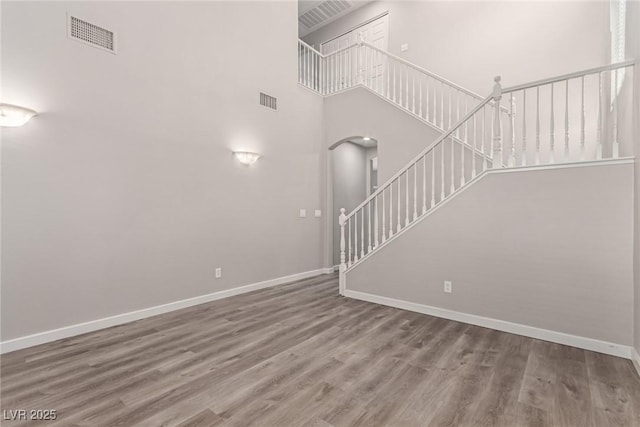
(92, 34)
(322, 12)
(268, 101)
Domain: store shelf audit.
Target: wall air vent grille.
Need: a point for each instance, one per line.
(322, 12)
(268, 101)
(91, 34)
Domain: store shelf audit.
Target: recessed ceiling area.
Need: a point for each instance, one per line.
(315, 14)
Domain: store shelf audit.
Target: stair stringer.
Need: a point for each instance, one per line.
(421, 218)
(545, 254)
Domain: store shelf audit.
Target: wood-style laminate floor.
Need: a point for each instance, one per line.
(301, 355)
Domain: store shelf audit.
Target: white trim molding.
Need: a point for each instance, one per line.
(635, 358)
(119, 319)
(501, 325)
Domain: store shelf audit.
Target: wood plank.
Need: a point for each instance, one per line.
(299, 354)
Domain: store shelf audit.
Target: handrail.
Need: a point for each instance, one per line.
(415, 67)
(342, 49)
(404, 61)
(422, 70)
(424, 152)
(302, 42)
(326, 55)
(485, 101)
(609, 67)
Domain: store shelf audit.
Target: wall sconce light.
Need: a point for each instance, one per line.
(246, 157)
(13, 115)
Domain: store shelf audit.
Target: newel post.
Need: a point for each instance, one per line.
(497, 124)
(343, 265)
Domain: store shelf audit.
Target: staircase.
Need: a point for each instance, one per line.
(426, 96)
(567, 119)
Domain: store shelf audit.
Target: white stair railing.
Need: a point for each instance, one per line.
(568, 118)
(428, 180)
(424, 94)
(421, 93)
(450, 163)
(310, 62)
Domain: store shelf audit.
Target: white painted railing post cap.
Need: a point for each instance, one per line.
(497, 88)
(342, 216)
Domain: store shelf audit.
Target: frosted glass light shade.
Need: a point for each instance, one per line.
(246, 157)
(13, 115)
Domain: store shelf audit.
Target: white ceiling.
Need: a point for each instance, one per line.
(315, 14)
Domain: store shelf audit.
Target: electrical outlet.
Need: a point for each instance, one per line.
(318, 213)
(218, 273)
(448, 287)
(404, 47)
(303, 213)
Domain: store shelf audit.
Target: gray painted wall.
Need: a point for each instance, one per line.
(633, 49)
(370, 153)
(558, 255)
(490, 37)
(358, 112)
(123, 194)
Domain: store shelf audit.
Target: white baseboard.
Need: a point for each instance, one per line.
(635, 358)
(501, 325)
(119, 319)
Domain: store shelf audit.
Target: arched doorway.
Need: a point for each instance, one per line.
(354, 174)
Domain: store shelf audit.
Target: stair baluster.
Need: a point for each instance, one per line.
(512, 123)
(600, 115)
(384, 224)
(406, 198)
(614, 106)
(424, 184)
(349, 233)
(552, 140)
(343, 265)
(375, 222)
(362, 234)
(355, 238)
(523, 154)
(433, 178)
(391, 210)
(537, 125)
(566, 155)
(497, 124)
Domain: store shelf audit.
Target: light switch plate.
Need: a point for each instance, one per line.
(303, 213)
(404, 47)
(318, 213)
